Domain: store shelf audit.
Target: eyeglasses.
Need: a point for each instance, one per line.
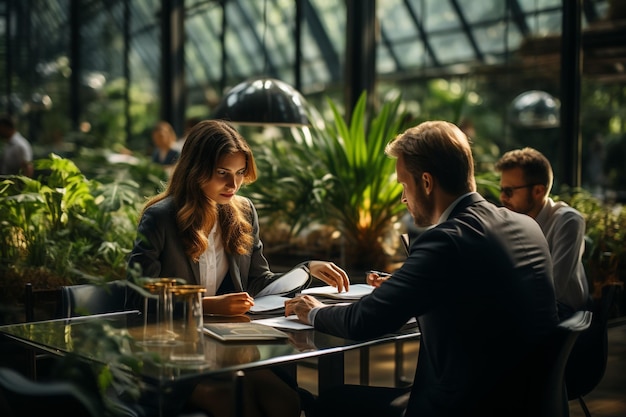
(508, 191)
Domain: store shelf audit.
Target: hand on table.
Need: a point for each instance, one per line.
(375, 278)
(228, 304)
(301, 305)
(331, 274)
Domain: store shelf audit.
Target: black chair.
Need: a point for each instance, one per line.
(587, 361)
(37, 301)
(20, 397)
(86, 299)
(547, 396)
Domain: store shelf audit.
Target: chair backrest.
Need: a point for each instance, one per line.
(86, 299)
(587, 362)
(40, 304)
(20, 396)
(547, 396)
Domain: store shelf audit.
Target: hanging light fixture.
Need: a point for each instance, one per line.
(264, 101)
(535, 109)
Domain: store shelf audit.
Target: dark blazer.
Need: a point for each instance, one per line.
(480, 285)
(159, 252)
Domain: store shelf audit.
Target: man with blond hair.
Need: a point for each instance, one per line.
(478, 280)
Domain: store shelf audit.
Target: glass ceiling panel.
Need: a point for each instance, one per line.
(332, 15)
(452, 48)
(401, 47)
(529, 6)
(492, 40)
(436, 15)
(323, 41)
(243, 49)
(484, 10)
(203, 51)
(394, 16)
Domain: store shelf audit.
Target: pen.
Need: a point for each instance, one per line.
(380, 274)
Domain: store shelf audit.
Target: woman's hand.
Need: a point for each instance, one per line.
(228, 304)
(331, 274)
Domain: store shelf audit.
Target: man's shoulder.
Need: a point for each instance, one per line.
(560, 209)
(21, 140)
(485, 216)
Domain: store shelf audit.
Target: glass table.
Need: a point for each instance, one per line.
(120, 339)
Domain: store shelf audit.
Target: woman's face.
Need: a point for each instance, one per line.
(161, 139)
(227, 178)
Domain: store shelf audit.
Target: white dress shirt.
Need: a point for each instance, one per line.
(564, 228)
(213, 262)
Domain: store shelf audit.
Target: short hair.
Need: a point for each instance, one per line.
(534, 165)
(440, 148)
(7, 120)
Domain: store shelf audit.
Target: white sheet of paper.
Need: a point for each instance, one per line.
(289, 322)
(290, 281)
(268, 303)
(356, 291)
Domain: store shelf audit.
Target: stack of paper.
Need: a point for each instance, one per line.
(356, 291)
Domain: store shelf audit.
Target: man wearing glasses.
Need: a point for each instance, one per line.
(525, 183)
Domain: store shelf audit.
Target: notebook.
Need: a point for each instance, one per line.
(242, 332)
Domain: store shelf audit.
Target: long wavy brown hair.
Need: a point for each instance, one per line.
(207, 142)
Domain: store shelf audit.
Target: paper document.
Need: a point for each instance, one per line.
(269, 304)
(290, 322)
(356, 291)
(287, 283)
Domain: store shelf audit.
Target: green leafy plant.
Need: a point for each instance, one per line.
(338, 177)
(605, 254)
(63, 228)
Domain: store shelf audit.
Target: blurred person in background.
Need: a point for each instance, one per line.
(164, 139)
(16, 153)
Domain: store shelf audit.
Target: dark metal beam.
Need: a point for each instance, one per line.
(423, 35)
(173, 63)
(571, 69)
(75, 63)
(126, 30)
(328, 51)
(360, 67)
(468, 30)
(517, 14)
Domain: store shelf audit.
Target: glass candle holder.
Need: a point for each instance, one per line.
(188, 323)
(161, 330)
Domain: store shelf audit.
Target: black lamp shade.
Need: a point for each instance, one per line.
(263, 101)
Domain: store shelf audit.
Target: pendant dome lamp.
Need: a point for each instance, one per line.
(263, 101)
(535, 109)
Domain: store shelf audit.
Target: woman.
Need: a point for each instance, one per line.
(164, 139)
(200, 230)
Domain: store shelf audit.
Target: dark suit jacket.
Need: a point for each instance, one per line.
(480, 285)
(159, 252)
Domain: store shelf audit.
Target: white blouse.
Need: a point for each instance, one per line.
(213, 262)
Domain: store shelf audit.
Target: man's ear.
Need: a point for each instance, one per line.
(428, 181)
(540, 192)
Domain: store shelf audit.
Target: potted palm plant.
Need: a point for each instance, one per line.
(339, 177)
